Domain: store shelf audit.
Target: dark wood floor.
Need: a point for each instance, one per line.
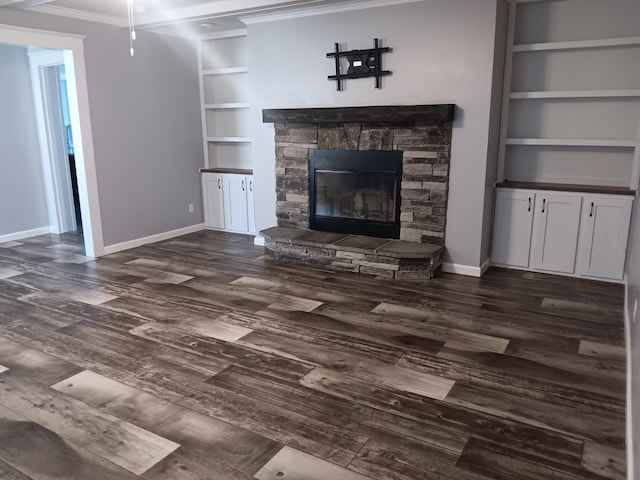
(199, 358)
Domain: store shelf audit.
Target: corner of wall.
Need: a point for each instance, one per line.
(500, 43)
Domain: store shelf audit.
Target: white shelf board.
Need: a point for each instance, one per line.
(574, 142)
(225, 106)
(578, 44)
(574, 94)
(240, 32)
(229, 139)
(225, 71)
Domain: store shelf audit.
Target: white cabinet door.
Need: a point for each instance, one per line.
(603, 236)
(554, 241)
(236, 214)
(512, 227)
(213, 200)
(251, 208)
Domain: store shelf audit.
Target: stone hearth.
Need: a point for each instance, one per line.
(421, 132)
(355, 253)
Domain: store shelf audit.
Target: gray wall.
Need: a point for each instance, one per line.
(145, 117)
(633, 336)
(443, 52)
(23, 205)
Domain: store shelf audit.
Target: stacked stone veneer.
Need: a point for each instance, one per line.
(355, 253)
(426, 151)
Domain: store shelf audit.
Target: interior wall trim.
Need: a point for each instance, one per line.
(158, 237)
(11, 237)
(319, 10)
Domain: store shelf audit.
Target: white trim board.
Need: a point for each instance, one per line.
(318, 10)
(10, 237)
(79, 14)
(258, 240)
(158, 237)
(467, 270)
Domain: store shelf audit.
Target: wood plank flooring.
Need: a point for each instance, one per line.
(201, 358)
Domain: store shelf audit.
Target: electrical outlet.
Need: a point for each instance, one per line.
(191, 208)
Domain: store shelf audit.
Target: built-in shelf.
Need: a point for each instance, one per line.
(567, 187)
(225, 71)
(226, 106)
(224, 95)
(235, 171)
(578, 44)
(229, 139)
(572, 142)
(575, 94)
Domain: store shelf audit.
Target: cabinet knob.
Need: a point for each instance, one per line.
(219, 186)
(251, 185)
(243, 185)
(591, 211)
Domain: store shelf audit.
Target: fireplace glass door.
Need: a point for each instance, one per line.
(356, 192)
(361, 196)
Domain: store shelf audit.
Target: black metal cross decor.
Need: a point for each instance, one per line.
(362, 63)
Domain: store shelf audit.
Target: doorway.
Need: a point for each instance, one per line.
(72, 48)
(50, 93)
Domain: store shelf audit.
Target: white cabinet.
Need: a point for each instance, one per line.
(213, 200)
(569, 233)
(604, 235)
(228, 202)
(236, 205)
(555, 232)
(512, 232)
(251, 206)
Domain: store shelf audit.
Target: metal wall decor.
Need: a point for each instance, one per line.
(362, 63)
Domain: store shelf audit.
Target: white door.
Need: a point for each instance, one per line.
(603, 236)
(251, 206)
(554, 241)
(235, 203)
(512, 227)
(213, 200)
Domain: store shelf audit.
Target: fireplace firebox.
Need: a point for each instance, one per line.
(356, 192)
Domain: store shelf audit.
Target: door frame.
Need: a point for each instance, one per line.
(54, 155)
(73, 52)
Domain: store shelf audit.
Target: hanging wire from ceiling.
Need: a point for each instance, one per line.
(132, 29)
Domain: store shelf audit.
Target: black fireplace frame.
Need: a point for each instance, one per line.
(351, 161)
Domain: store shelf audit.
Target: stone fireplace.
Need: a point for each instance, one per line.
(420, 136)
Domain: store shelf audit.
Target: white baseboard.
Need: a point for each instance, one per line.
(258, 240)
(485, 266)
(462, 269)
(118, 247)
(10, 237)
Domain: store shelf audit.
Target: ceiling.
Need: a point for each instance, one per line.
(187, 16)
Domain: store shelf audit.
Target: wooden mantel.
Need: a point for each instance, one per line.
(431, 114)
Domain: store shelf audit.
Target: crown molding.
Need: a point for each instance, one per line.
(212, 10)
(251, 11)
(300, 12)
(79, 14)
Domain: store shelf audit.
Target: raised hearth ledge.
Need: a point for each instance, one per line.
(431, 114)
(355, 253)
